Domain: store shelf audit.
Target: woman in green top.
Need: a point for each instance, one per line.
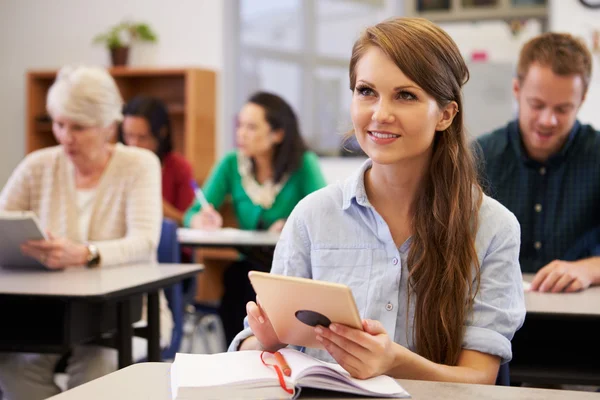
(268, 175)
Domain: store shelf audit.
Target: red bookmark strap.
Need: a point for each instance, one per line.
(279, 373)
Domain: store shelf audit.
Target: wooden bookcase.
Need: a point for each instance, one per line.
(190, 95)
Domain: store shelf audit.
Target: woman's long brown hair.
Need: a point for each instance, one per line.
(443, 263)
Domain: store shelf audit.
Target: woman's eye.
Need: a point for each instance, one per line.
(404, 95)
(364, 91)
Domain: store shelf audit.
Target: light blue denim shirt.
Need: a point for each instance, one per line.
(335, 235)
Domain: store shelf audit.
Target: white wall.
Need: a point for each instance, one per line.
(572, 17)
(47, 34)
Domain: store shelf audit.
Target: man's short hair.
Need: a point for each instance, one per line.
(563, 53)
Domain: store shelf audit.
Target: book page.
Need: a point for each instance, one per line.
(205, 370)
(310, 372)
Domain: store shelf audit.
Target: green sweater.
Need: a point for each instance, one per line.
(225, 180)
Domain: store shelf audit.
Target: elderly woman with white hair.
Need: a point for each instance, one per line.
(100, 203)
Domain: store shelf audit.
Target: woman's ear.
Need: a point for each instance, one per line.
(111, 131)
(447, 116)
(277, 136)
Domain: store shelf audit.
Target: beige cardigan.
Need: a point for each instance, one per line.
(127, 211)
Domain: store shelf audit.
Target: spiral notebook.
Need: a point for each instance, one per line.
(258, 375)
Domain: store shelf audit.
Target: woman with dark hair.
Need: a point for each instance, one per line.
(146, 124)
(266, 177)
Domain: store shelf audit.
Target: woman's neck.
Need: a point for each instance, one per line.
(393, 185)
(88, 173)
(393, 191)
(263, 168)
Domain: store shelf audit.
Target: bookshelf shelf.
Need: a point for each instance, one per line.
(190, 95)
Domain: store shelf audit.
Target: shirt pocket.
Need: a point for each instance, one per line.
(351, 267)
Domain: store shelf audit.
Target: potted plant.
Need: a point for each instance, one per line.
(119, 38)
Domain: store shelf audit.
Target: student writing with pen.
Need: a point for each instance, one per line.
(266, 177)
(432, 262)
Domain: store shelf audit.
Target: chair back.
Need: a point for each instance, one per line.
(169, 252)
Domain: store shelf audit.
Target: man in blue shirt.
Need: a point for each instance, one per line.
(545, 166)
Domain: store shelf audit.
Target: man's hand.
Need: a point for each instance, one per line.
(563, 276)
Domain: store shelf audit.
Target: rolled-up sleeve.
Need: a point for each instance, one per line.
(499, 306)
(292, 258)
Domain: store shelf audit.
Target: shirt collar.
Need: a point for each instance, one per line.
(354, 187)
(514, 133)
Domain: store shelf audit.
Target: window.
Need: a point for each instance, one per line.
(300, 49)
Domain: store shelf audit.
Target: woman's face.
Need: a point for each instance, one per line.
(255, 138)
(137, 133)
(81, 143)
(394, 119)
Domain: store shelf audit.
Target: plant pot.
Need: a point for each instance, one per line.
(119, 56)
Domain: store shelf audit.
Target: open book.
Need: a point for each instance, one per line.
(243, 375)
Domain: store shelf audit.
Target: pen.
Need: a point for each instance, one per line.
(199, 194)
(287, 371)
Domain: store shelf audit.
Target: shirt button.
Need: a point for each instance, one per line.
(543, 171)
(389, 306)
(537, 245)
(538, 208)
(395, 261)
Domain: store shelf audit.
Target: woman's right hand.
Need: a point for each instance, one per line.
(262, 328)
(207, 219)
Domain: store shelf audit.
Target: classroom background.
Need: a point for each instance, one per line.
(298, 48)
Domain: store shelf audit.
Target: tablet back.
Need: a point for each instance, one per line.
(295, 305)
(15, 229)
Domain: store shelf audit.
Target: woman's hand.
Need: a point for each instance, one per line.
(364, 354)
(277, 226)
(262, 328)
(207, 219)
(56, 253)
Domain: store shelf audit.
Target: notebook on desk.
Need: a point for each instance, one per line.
(254, 375)
(16, 228)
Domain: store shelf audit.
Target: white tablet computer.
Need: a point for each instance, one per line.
(296, 305)
(16, 228)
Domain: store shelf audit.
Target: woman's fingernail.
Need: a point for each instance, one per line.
(333, 327)
(318, 330)
(319, 338)
(261, 319)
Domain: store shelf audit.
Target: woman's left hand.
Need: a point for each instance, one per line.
(364, 354)
(56, 253)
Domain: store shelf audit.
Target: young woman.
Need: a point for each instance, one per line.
(266, 177)
(146, 124)
(432, 262)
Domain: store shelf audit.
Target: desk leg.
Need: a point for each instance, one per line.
(153, 327)
(124, 333)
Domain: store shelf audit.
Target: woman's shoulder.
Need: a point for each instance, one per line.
(135, 155)
(44, 156)
(322, 203)
(176, 162)
(496, 222)
(309, 157)
(134, 160)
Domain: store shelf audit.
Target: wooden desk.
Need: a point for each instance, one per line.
(51, 311)
(151, 381)
(559, 341)
(226, 237)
